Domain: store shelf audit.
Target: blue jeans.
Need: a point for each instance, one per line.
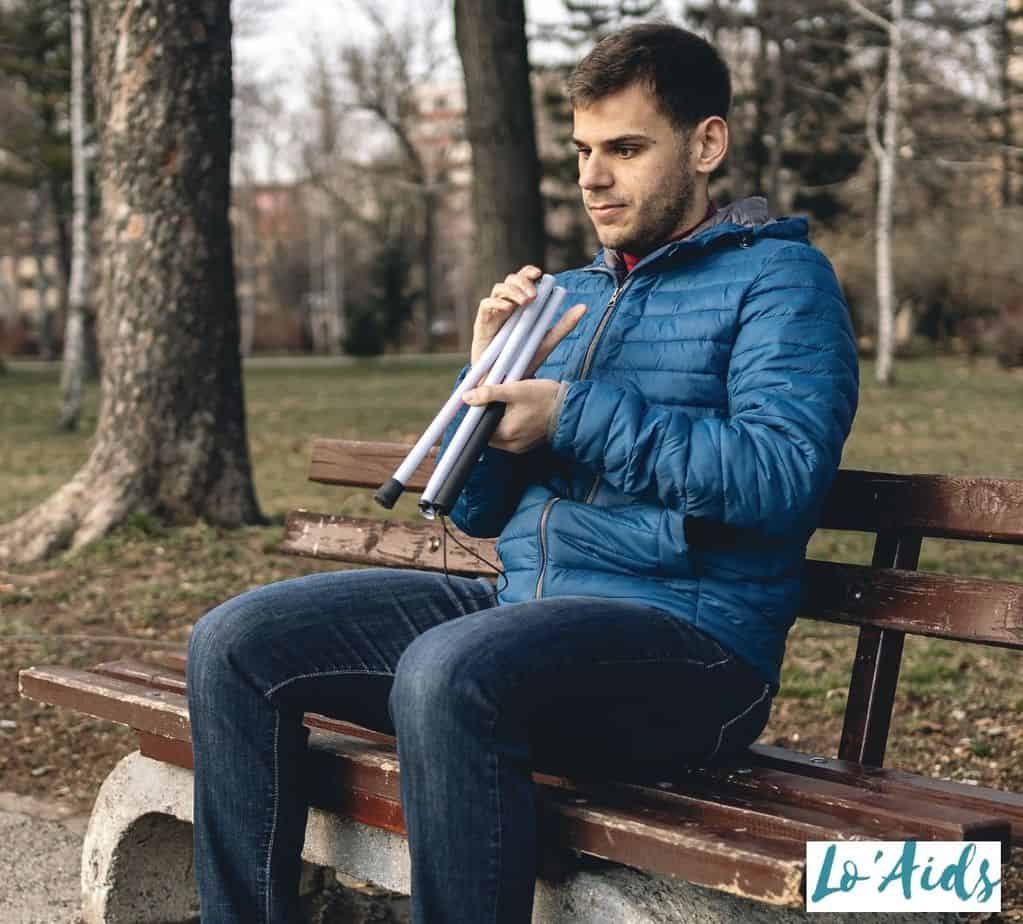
(478, 695)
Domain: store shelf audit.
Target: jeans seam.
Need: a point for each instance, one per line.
(496, 785)
(734, 719)
(695, 661)
(273, 826)
(349, 670)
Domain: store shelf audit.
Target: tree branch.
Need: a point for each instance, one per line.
(868, 14)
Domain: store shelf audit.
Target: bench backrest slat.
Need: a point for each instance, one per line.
(941, 605)
(916, 602)
(985, 509)
(939, 506)
(364, 541)
(361, 464)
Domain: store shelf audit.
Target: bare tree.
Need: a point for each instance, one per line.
(491, 41)
(171, 437)
(325, 212)
(383, 79)
(73, 371)
(1009, 44)
(885, 150)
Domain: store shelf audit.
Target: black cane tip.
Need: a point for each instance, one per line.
(389, 493)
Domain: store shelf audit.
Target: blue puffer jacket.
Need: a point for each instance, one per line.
(711, 391)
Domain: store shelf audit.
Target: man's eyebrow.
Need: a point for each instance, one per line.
(621, 139)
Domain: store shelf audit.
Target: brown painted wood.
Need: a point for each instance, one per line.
(141, 672)
(985, 509)
(870, 815)
(804, 808)
(988, 509)
(918, 603)
(372, 766)
(875, 672)
(945, 606)
(145, 674)
(360, 464)
(122, 701)
(884, 780)
(767, 870)
(171, 659)
(361, 773)
(359, 766)
(391, 545)
(169, 750)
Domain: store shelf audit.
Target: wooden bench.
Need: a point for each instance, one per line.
(739, 828)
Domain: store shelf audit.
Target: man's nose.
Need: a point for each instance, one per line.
(594, 174)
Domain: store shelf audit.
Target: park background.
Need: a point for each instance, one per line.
(358, 256)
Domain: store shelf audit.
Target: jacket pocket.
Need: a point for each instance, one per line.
(636, 540)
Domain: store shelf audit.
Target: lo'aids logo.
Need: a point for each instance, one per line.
(903, 876)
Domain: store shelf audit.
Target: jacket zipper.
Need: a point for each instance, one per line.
(605, 319)
(543, 545)
(608, 311)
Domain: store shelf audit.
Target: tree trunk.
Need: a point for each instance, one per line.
(429, 264)
(777, 126)
(46, 350)
(171, 438)
(885, 203)
(332, 285)
(491, 39)
(73, 370)
(1009, 44)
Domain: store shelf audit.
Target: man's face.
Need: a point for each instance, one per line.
(634, 171)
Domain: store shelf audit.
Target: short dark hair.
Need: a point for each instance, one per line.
(687, 75)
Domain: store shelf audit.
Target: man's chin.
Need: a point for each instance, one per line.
(614, 242)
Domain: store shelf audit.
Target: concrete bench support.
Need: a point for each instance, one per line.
(137, 866)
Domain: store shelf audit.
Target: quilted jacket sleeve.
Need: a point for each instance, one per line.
(792, 392)
(494, 486)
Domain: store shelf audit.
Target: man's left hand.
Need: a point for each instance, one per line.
(528, 407)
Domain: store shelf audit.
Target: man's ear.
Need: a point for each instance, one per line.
(709, 144)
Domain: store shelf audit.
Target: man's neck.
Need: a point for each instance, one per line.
(685, 229)
(699, 209)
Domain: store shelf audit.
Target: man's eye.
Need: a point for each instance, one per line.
(626, 152)
(583, 153)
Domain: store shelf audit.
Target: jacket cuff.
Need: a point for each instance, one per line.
(552, 418)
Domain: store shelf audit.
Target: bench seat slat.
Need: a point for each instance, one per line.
(769, 802)
(128, 703)
(945, 506)
(876, 814)
(801, 772)
(348, 773)
(888, 780)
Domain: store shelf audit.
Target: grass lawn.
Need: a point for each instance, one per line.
(959, 708)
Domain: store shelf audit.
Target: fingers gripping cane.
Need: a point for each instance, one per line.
(507, 357)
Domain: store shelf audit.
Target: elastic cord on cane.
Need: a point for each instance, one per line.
(462, 545)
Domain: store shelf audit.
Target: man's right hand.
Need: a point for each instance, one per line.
(517, 289)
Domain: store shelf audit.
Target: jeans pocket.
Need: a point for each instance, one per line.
(700, 647)
(744, 726)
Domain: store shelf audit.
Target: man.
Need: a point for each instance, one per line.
(653, 487)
